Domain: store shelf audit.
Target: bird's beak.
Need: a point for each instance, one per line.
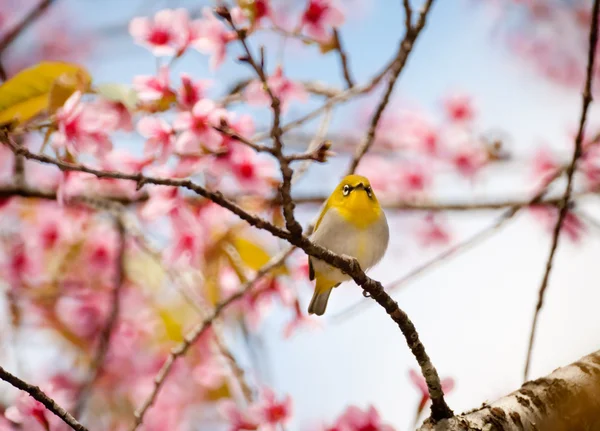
(360, 186)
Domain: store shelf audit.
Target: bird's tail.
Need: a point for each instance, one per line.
(318, 303)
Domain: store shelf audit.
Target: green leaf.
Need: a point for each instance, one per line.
(118, 93)
(44, 87)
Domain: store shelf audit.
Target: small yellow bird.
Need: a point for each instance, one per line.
(351, 223)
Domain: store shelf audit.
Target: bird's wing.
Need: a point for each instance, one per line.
(311, 270)
(324, 209)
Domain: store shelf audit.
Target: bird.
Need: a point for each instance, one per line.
(352, 224)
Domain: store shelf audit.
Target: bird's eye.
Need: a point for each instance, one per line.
(369, 191)
(346, 190)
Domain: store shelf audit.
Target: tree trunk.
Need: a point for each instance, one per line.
(566, 400)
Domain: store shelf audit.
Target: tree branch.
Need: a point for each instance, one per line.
(404, 50)
(563, 205)
(566, 400)
(343, 59)
(37, 394)
(439, 408)
(104, 343)
(286, 171)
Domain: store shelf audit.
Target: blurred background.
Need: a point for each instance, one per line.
(495, 84)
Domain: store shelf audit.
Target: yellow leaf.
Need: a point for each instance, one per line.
(254, 256)
(218, 393)
(173, 328)
(144, 270)
(28, 93)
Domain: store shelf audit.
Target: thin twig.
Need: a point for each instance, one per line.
(404, 50)
(314, 144)
(407, 14)
(195, 333)
(343, 59)
(38, 395)
(564, 204)
(104, 342)
(286, 171)
(439, 408)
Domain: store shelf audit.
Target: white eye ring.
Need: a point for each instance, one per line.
(346, 190)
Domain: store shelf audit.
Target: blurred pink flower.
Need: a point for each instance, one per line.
(211, 372)
(84, 127)
(413, 179)
(187, 245)
(213, 39)
(381, 172)
(272, 413)
(459, 108)
(283, 88)
(162, 201)
(160, 137)
(431, 232)
(319, 17)
(165, 34)
(355, 419)
(299, 320)
(122, 116)
(572, 225)
(21, 264)
(419, 382)
(197, 129)
(84, 313)
(469, 159)
(243, 126)
(251, 170)
(190, 91)
(238, 420)
(101, 249)
(152, 88)
(544, 166)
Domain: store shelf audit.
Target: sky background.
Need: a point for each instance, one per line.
(473, 312)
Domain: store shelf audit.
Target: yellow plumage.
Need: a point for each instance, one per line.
(351, 223)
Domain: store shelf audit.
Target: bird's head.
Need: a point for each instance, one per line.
(354, 193)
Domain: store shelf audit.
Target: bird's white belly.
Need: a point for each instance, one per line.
(367, 245)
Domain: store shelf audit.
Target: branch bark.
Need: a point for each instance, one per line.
(566, 400)
(38, 395)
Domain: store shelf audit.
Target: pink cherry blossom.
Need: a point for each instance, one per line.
(272, 413)
(469, 159)
(431, 232)
(190, 91)
(356, 419)
(213, 38)
(413, 179)
(165, 34)
(243, 126)
(162, 201)
(282, 87)
(419, 382)
(300, 320)
(187, 245)
(319, 17)
(261, 9)
(544, 166)
(572, 225)
(160, 137)
(84, 313)
(21, 264)
(152, 88)
(239, 420)
(459, 108)
(197, 128)
(251, 170)
(84, 127)
(211, 372)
